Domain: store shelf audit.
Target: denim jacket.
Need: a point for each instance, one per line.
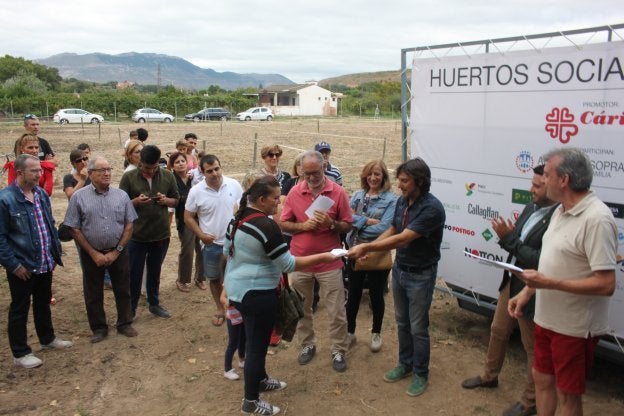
(19, 240)
(380, 207)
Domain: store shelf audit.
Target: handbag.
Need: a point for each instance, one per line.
(375, 260)
(289, 311)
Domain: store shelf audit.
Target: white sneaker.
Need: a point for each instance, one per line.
(27, 361)
(241, 364)
(57, 343)
(375, 345)
(231, 374)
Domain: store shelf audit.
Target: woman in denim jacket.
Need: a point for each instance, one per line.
(373, 209)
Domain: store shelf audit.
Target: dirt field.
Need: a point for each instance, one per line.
(175, 366)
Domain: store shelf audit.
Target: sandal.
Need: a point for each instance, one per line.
(218, 319)
(182, 287)
(201, 284)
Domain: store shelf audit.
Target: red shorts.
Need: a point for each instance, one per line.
(568, 358)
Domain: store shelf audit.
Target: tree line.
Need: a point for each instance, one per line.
(28, 87)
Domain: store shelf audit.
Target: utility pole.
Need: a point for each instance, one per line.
(158, 79)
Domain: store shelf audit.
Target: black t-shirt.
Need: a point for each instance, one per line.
(44, 148)
(69, 181)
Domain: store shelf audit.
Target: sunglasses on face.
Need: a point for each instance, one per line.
(84, 159)
(274, 155)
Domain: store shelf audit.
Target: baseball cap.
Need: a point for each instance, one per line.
(319, 147)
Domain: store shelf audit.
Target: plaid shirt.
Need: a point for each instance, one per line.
(45, 238)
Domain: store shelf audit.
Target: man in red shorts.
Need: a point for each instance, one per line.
(573, 283)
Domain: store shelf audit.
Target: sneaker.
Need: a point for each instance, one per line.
(375, 344)
(231, 374)
(306, 354)
(417, 386)
(127, 330)
(241, 363)
(58, 344)
(259, 407)
(352, 339)
(27, 361)
(338, 362)
(271, 384)
(159, 311)
(397, 373)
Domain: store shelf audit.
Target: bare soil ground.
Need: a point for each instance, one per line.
(175, 366)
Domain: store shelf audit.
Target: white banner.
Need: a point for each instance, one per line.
(482, 123)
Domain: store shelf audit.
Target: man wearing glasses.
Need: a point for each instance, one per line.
(29, 251)
(101, 220)
(152, 190)
(319, 233)
(33, 126)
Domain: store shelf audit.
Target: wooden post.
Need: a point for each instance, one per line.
(255, 151)
(383, 153)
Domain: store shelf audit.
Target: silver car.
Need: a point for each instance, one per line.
(143, 115)
(76, 115)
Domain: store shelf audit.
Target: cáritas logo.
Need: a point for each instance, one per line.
(560, 124)
(470, 188)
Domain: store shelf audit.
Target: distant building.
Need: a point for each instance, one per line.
(124, 84)
(300, 100)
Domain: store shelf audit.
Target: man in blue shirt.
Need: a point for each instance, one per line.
(416, 234)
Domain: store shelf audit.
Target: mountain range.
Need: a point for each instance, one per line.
(152, 69)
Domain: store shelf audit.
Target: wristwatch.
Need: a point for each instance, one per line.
(332, 225)
(119, 248)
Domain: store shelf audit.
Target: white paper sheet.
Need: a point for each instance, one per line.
(339, 252)
(500, 264)
(321, 203)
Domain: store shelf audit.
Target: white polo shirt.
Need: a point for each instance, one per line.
(214, 209)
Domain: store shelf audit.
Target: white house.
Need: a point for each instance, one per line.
(300, 100)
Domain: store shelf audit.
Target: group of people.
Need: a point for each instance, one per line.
(244, 241)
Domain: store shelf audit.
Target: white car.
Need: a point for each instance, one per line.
(150, 114)
(76, 115)
(256, 113)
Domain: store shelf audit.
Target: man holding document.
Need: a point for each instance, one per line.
(523, 241)
(318, 231)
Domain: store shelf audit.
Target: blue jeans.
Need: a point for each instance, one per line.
(413, 292)
(150, 255)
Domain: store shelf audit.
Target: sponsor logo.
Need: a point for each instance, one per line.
(460, 230)
(524, 161)
(616, 209)
(484, 212)
(470, 188)
(451, 207)
(521, 196)
(560, 124)
(487, 234)
(442, 180)
(604, 168)
(484, 254)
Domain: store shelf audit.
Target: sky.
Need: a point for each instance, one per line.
(302, 40)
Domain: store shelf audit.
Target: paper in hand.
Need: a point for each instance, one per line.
(321, 203)
(499, 264)
(339, 252)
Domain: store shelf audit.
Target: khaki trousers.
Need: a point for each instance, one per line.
(333, 295)
(502, 328)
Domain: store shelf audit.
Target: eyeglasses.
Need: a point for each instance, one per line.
(315, 173)
(102, 170)
(30, 117)
(84, 159)
(274, 155)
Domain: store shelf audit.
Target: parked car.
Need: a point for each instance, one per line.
(209, 114)
(76, 115)
(256, 113)
(150, 114)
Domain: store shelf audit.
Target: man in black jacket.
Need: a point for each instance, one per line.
(523, 241)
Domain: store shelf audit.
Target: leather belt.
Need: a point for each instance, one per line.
(413, 269)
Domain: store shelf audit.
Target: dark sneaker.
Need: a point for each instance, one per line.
(338, 362)
(127, 330)
(270, 384)
(99, 335)
(259, 407)
(306, 354)
(159, 311)
(396, 374)
(417, 386)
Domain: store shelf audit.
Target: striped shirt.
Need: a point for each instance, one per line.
(333, 173)
(101, 217)
(45, 238)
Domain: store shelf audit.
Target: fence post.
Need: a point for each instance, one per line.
(99, 132)
(203, 146)
(383, 153)
(318, 125)
(255, 151)
(119, 134)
